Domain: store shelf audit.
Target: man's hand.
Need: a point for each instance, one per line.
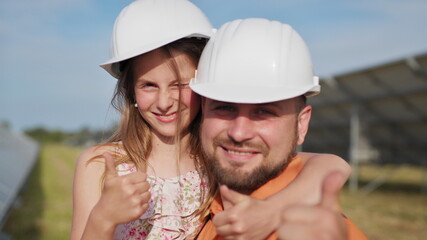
(124, 198)
(323, 221)
(245, 217)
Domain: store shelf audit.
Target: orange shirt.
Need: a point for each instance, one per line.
(268, 189)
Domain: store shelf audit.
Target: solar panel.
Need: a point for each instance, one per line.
(18, 154)
(392, 110)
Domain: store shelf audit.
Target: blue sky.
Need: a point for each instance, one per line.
(50, 49)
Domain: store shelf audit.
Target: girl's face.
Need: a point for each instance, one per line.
(157, 89)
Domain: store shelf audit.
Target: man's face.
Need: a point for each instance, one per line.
(249, 144)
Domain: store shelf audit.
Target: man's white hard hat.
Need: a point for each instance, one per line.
(255, 61)
(145, 25)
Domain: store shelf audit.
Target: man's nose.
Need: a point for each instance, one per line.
(241, 129)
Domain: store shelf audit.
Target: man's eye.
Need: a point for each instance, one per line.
(224, 108)
(265, 112)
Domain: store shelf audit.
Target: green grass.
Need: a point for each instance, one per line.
(388, 215)
(395, 211)
(46, 208)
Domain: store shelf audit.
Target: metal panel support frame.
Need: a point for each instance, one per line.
(354, 147)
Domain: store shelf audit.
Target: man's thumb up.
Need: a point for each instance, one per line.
(331, 187)
(230, 197)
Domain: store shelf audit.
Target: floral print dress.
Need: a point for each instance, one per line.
(170, 209)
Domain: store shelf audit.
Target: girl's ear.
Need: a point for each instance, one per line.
(303, 122)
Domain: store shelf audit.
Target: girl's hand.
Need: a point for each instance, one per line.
(123, 198)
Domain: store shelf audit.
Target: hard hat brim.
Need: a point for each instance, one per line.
(251, 94)
(111, 66)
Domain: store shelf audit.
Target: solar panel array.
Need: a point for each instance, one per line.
(390, 104)
(18, 154)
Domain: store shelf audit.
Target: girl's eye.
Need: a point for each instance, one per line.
(184, 85)
(180, 85)
(148, 85)
(145, 85)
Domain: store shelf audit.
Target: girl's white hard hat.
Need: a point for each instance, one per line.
(145, 25)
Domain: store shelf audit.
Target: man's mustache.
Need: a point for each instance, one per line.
(230, 143)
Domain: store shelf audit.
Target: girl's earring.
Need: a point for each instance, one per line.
(136, 105)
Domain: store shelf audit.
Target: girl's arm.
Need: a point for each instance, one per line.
(256, 219)
(306, 187)
(86, 190)
(96, 213)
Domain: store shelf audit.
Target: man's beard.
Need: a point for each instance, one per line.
(247, 182)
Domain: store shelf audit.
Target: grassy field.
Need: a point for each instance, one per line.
(46, 201)
(395, 211)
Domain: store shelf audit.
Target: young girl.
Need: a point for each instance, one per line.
(149, 181)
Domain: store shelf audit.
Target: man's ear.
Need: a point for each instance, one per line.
(303, 122)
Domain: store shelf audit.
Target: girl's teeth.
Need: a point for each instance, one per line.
(167, 116)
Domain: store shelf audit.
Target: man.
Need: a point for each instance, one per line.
(254, 76)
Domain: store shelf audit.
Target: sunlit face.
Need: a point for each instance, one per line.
(249, 144)
(157, 89)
